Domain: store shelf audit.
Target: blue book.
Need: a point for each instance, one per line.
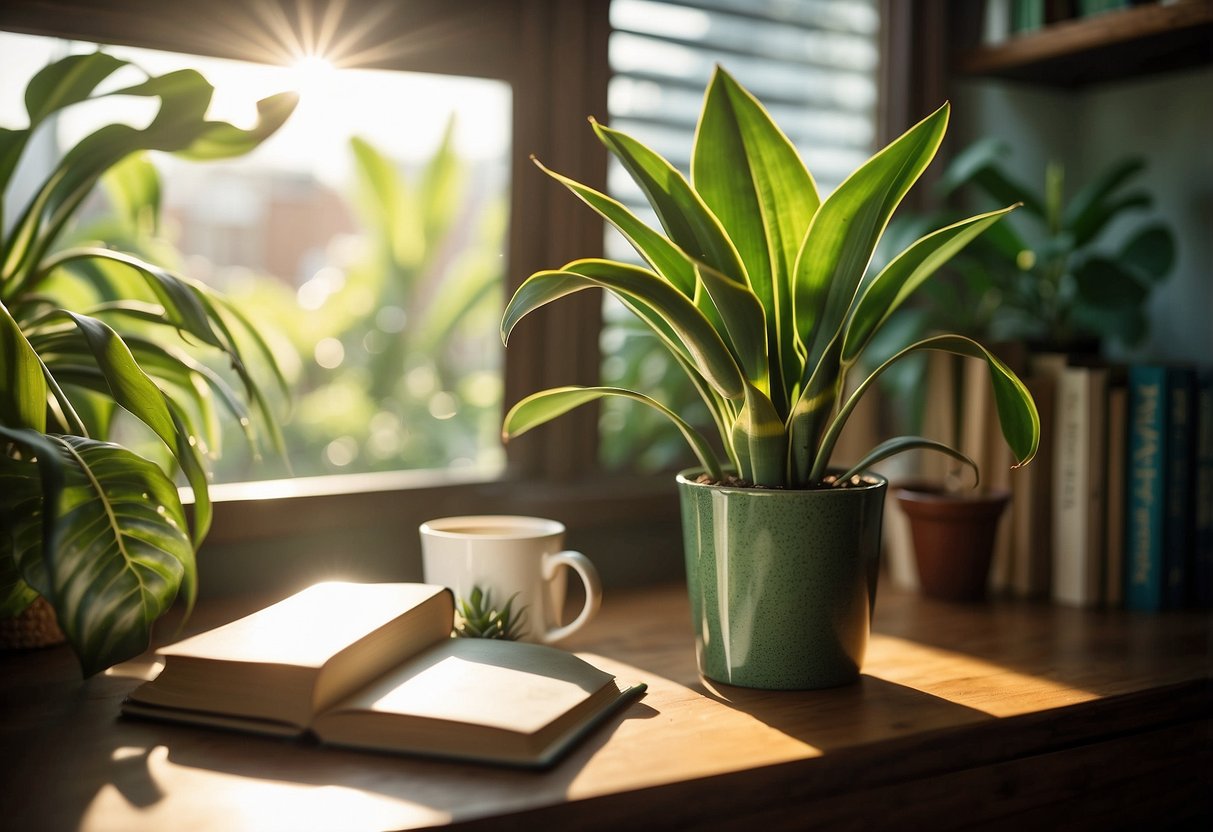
(1201, 579)
(1145, 492)
(1178, 470)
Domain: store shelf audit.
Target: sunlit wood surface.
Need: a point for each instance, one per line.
(999, 714)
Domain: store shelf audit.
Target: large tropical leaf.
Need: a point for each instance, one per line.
(61, 84)
(132, 389)
(122, 554)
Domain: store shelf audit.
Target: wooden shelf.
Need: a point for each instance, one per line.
(1111, 46)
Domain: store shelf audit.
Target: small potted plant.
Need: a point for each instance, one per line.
(760, 291)
(1044, 278)
(88, 528)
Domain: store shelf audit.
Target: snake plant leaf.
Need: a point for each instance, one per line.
(540, 408)
(122, 554)
(760, 444)
(23, 388)
(658, 252)
(840, 242)
(1017, 414)
(901, 444)
(744, 321)
(701, 343)
(899, 279)
(688, 222)
(694, 229)
(752, 178)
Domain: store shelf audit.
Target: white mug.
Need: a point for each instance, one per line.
(511, 557)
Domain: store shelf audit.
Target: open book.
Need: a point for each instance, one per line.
(374, 666)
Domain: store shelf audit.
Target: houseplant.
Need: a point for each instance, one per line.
(90, 337)
(1053, 277)
(758, 289)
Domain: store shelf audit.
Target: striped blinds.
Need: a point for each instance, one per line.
(812, 62)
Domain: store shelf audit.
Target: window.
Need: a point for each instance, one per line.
(553, 56)
(368, 233)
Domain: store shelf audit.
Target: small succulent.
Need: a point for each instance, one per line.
(478, 618)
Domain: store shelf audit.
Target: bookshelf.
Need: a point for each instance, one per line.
(998, 715)
(1114, 45)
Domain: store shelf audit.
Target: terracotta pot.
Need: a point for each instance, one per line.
(953, 538)
(782, 582)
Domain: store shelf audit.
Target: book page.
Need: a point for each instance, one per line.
(309, 628)
(497, 684)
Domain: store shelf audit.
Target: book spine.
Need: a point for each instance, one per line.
(1202, 564)
(1177, 527)
(1144, 496)
(1071, 466)
(1114, 530)
(1095, 517)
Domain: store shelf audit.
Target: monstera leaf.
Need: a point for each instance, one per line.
(89, 525)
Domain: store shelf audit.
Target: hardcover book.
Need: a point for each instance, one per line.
(373, 666)
(1202, 562)
(1146, 494)
(1078, 487)
(1177, 519)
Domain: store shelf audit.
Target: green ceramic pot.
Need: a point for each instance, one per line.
(782, 583)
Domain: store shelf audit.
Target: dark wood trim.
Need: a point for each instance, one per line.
(913, 74)
(562, 82)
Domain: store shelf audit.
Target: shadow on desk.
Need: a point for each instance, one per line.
(825, 719)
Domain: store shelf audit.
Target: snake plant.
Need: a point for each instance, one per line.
(88, 333)
(761, 291)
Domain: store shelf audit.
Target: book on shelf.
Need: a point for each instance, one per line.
(1080, 437)
(373, 666)
(1116, 455)
(1032, 503)
(1201, 576)
(1145, 490)
(1178, 471)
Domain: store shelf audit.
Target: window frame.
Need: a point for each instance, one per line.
(554, 55)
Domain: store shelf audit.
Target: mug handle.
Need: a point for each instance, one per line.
(593, 590)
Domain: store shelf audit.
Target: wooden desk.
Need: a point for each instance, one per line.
(1002, 714)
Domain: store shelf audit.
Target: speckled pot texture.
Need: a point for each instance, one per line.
(782, 583)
